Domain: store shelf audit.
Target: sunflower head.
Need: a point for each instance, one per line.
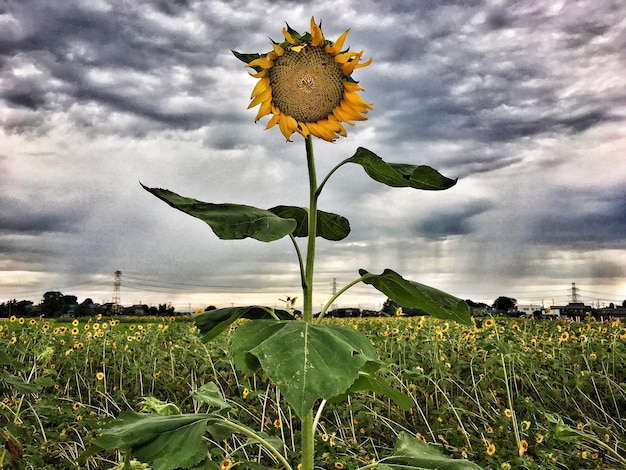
(306, 84)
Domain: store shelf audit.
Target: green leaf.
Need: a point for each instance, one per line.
(305, 361)
(246, 58)
(5, 359)
(560, 431)
(410, 452)
(214, 322)
(413, 294)
(376, 384)
(210, 395)
(329, 226)
(230, 221)
(169, 442)
(400, 175)
(18, 383)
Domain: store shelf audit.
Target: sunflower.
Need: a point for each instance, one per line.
(306, 84)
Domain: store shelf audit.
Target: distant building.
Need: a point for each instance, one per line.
(528, 310)
(573, 310)
(612, 312)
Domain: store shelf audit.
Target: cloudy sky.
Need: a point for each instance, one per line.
(523, 101)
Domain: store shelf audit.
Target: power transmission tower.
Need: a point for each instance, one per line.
(117, 282)
(574, 290)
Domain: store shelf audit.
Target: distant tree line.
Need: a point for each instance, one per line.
(55, 304)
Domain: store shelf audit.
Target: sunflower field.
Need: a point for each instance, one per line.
(504, 394)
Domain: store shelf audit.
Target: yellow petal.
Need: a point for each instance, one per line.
(287, 125)
(260, 74)
(264, 96)
(337, 127)
(338, 45)
(288, 37)
(319, 130)
(345, 57)
(351, 66)
(261, 86)
(278, 50)
(273, 121)
(264, 110)
(342, 115)
(263, 62)
(351, 86)
(316, 32)
(303, 130)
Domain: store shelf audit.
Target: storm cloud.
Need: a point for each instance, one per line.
(524, 102)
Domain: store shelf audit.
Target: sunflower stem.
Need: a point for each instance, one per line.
(312, 232)
(308, 432)
(330, 173)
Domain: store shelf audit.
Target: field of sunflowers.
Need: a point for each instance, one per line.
(505, 393)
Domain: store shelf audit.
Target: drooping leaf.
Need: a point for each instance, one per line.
(329, 226)
(213, 322)
(169, 442)
(413, 294)
(410, 452)
(230, 221)
(373, 383)
(400, 175)
(210, 394)
(306, 361)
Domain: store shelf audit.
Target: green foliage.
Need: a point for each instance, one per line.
(230, 221)
(410, 452)
(329, 226)
(214, 322)
(168, 442)
(568, 380)
(306, 361)
(413, 294)
(400, 175)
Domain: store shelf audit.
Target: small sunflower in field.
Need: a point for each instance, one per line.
(523, 447)
(306, 83)
(491, 449)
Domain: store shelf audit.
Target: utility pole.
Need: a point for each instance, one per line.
(117, 282)
(574, 290)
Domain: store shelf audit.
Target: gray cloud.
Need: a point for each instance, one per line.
(439, 226)
(520, 100)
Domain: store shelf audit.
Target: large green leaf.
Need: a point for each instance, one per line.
(400, 175)
(329, 226)
(306, 361)
(214, 322)
(168, 442)
(410, 452)
(230, 221)
(413, 294)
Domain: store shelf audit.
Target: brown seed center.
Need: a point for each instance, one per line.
(306, 85)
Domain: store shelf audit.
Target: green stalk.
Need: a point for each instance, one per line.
(310, 252)
(334, 297)
(308, 433)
